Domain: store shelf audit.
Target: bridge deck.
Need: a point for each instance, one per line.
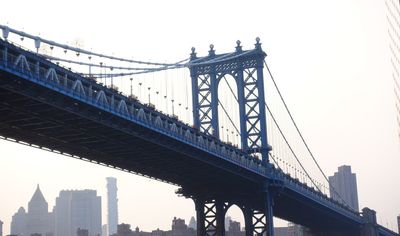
(71, 114)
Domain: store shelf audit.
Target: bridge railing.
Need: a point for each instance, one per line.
(39, 70)
(295, 184)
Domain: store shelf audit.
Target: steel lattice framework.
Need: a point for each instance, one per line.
(46, 106)
(246, 67)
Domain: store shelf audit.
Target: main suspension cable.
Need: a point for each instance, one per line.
(38, 40)
(290, 147)
(300, 134)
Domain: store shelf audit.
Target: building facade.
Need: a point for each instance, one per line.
(398, 223)
(343, 187)
(292, 230)
(178, 228)
(112, 205)
(192, 223)
(78, 209)
(234, 229)
(393, 17)
(37, 221)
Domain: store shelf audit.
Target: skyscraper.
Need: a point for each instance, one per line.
(78, 209)
(38, 217)
(112, 205)
(192, 223)
(343, 187)
(38, 220)
(398, 223)
(393, 16)
(18, 223)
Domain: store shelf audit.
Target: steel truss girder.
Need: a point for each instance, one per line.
(247, 69)
(211, 216)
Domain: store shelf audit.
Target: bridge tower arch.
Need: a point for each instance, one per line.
(246, 67)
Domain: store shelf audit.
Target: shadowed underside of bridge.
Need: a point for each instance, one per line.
(36, 115)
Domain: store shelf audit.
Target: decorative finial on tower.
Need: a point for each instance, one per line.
(212, 51)
(193, 55)
(238, 46)
(258, 44)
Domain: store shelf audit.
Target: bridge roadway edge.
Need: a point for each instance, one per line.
(152, 137)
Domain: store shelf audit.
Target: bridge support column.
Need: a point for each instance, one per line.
(200, 217)
(259, 222)
(210, 217)
(269, 215)
(248, 221)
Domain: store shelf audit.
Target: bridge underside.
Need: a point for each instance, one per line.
(38, 116)
(293, 207)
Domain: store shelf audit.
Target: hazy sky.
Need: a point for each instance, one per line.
(330, 58)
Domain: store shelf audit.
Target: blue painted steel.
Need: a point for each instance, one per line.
(59, 81)
(247, 69)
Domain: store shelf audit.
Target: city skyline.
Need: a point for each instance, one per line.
(357, 128)
(73, 199)
(73, 210)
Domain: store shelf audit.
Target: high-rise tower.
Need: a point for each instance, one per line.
(78, 209)
(398, 223)
(1, 228)
(112, 205)
(393, 17)
(343, 186)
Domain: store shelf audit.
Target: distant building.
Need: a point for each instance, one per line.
(125, 230)
(78, 209)
(37, 221)
(112, 205)
(393, 18)
(292, 230)
(398, 223)
(82, 232)
(179, 228)
(104, 231)
(192, 223)
(343, 187)
(234, 229)
(18, 223)
(227, 222)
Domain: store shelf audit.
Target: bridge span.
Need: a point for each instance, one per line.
(45, 105)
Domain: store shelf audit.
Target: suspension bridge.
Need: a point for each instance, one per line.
(222, 148)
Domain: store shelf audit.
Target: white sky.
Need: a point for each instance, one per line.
(330, 58)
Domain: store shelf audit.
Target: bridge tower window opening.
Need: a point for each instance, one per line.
(234, 221)
(228, 109)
